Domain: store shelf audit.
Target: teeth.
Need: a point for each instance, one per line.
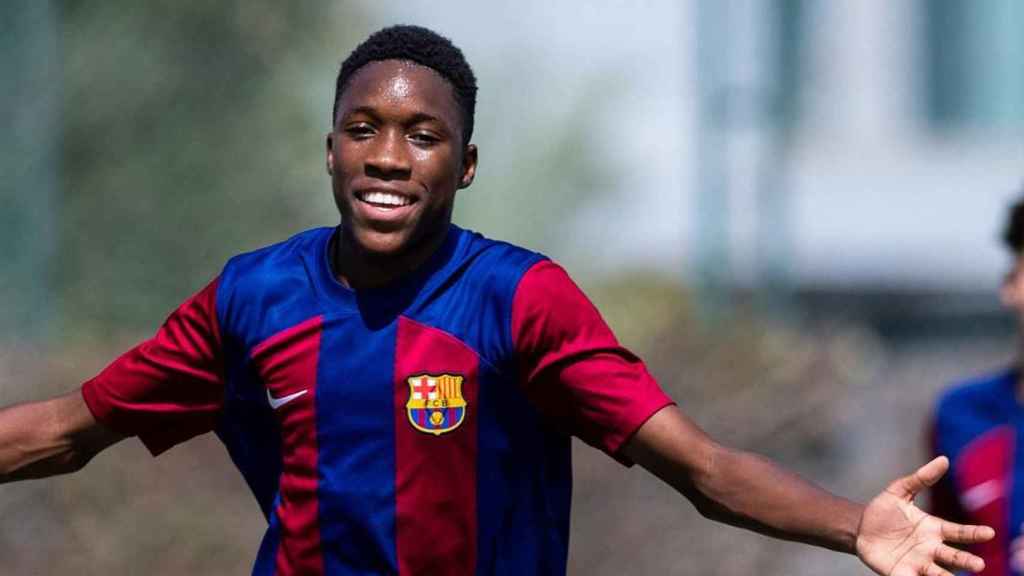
(386, 199)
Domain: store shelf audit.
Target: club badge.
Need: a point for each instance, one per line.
(435, 403)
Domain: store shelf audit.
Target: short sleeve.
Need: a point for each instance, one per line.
(170, 387)
(573, 368)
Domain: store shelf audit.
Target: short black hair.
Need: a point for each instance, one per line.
(424, 47)
(1013, 234)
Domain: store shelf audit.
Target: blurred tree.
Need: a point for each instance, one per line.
(782, 389)
(539, 165)
(192, 131)
(29, 48)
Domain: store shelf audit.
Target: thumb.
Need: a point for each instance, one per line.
(908, 486)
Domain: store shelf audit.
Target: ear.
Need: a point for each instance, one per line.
(330, 153)
(1011, 292)
(1007, 290)
(469, 160)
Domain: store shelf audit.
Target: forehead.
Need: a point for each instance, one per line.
(401, 86)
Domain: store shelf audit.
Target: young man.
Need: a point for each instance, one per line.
(399, 393)
(979, 423)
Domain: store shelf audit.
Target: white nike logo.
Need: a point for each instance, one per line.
(276, 403)
(981, 495)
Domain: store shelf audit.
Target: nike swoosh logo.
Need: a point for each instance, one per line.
(981, 495)
(276, 403)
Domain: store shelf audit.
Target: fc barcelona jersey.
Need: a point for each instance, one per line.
(979, 425)
(418, 428)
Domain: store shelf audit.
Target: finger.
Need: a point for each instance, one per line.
(934, 570)
(907, 486)
(966, 533)
(958, 559)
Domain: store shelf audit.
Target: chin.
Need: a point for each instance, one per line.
(384, 244)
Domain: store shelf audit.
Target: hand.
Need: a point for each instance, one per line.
(896, 538)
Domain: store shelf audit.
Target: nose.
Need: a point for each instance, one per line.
(388, 157)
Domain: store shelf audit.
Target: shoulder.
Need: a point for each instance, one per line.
(501, 264)
(489, 272)
(985, 395)
(523, 283)
(265, 264)
(256, 281)
(471, 295)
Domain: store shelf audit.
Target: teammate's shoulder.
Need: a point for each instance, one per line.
(983, 392)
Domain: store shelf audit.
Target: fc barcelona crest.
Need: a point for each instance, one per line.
(435, 403)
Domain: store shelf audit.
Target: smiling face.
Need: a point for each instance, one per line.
(396, 158)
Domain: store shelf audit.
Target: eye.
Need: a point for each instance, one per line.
(424, 138)
(360, 130)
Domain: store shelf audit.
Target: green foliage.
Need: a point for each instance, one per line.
(540, 161)
(191, 131)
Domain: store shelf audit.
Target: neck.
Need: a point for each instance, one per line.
(360, 269)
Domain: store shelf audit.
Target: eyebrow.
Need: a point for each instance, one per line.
(415, 119)
(424, 117)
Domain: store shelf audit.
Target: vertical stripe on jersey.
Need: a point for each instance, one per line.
(357, 453)
(984, 478)
(435, 474)
(287, 363)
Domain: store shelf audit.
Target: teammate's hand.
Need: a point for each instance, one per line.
(896, 538)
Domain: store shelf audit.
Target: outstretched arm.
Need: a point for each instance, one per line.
(891, 535)
(51, 437)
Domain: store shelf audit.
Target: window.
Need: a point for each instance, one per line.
(974, 63)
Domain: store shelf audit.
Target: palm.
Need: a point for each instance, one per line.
(896, 538)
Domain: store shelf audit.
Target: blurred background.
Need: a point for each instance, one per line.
(791, 209)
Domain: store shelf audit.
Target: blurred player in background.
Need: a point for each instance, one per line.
(979, 424)
(399, 393)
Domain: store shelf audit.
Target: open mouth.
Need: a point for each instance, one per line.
(385, 201)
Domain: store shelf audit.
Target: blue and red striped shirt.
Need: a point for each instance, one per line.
(979, 425)
(419, 428)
